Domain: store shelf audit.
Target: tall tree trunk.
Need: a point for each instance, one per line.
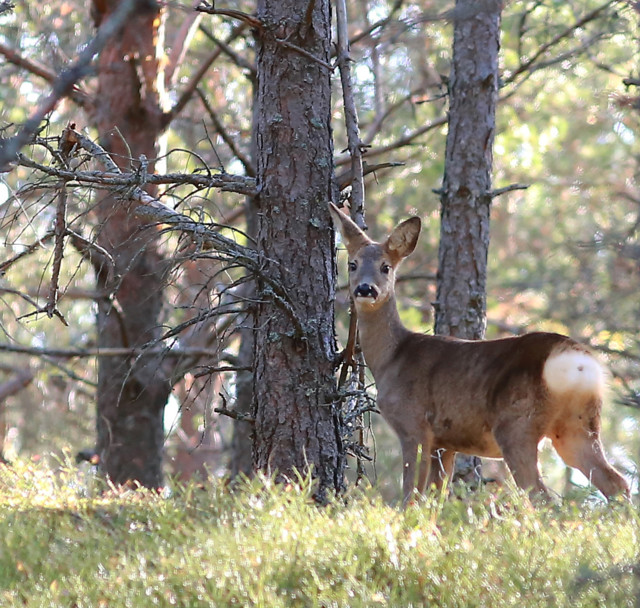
(296, 421)
(132, 391)
(466, 191)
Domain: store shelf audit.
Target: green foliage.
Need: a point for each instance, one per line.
(263, 545)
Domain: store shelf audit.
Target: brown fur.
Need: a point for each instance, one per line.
(493, 398)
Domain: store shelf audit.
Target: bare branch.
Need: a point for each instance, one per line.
(195, 79)
(400, 142)
(529, 64)
(251, 21)
(76, 353)
(243, 158)
(60, 231)
(4, 266)
(64, 83)
(505, 189)
(37, 69)
(225, 47)
(223, 181)
(21, 380)
(351, 117)
(181, 43)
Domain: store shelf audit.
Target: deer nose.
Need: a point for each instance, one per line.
(365, 290)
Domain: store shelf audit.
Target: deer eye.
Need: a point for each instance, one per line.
(353, 266)
(385, 268)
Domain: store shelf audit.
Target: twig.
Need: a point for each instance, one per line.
(60, 231)
(400, 142)
(251, 21)
(4, 266)
(243, 158)
(505, 189)
(225, 411)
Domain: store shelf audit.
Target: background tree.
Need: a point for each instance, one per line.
(460, 308)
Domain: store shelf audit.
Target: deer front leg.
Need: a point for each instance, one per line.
(409, 458)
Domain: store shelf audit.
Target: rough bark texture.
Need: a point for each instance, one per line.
(466, 192)
(132, 392)
(296, 422)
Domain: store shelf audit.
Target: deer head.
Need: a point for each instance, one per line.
(372, 265)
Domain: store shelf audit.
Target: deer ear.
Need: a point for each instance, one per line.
(354, 238)
(402, 241)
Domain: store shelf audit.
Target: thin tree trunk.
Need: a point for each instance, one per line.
(132, 392)
(297, 426)
(466, 191)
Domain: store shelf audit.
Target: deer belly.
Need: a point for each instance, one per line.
(473, 439)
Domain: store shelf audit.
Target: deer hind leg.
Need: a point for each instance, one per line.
(519, 444)
(582, 449)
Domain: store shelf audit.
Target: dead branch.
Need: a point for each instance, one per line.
(113, 179)
(60, 231)
(251, 21)
(351, 117)
(79, 353)
(399, 143)
(225, 411)
(505, 189)
(345, 178)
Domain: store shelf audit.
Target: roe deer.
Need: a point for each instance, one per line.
(492, 398)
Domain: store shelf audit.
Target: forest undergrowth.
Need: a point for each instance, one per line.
(66, 541)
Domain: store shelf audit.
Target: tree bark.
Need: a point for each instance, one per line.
(132, 391)
(297, 426)
(466, 192)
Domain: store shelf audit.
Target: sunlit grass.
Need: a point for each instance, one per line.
(62, 544)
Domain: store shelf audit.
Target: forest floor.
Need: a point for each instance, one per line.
(64, 543)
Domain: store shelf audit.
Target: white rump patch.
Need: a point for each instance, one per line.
(573, 371)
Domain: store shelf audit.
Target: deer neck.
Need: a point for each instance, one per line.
(380, 331)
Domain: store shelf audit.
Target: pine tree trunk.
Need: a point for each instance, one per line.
(296, 421)
(132, 391)
(466, 191)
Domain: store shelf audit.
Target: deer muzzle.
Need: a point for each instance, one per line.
(365, 290)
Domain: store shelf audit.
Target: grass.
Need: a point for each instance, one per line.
(262, 545)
